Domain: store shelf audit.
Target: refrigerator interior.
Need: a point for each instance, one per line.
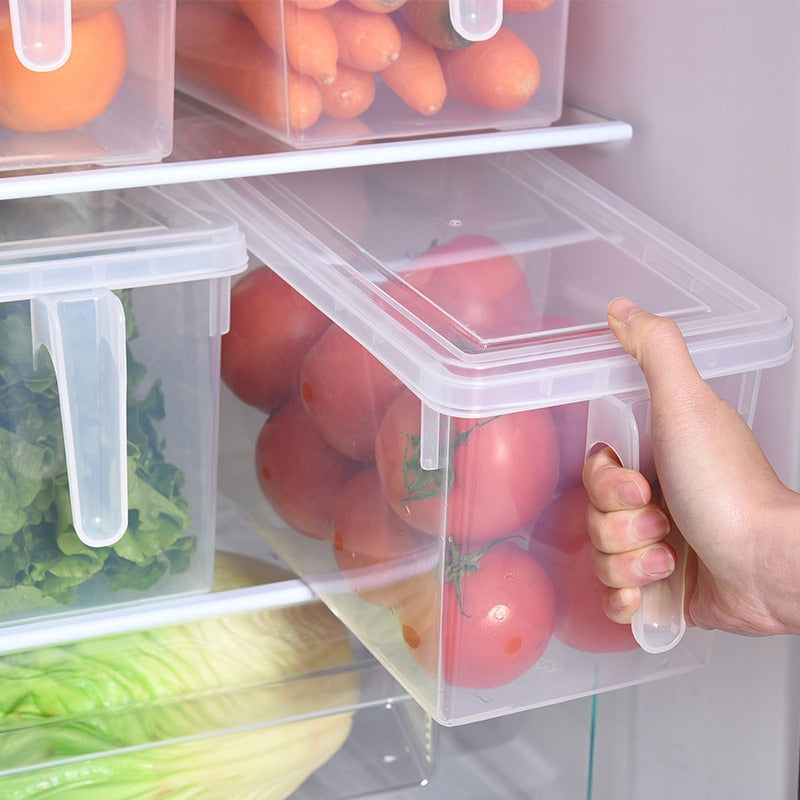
(711, 90)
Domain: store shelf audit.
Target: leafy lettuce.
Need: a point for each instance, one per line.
(42, 561)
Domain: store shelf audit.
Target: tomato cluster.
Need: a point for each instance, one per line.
(478, 587)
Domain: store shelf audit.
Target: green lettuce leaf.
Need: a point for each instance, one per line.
(42, 561)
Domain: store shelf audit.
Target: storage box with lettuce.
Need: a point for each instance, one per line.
(43, 564)
(112, 307)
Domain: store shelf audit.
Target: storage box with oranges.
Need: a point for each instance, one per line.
(85, 82)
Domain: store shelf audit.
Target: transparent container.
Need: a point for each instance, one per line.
(248, 703)
(112, 305)
(437, 418)
(377, 69)
(85, 82)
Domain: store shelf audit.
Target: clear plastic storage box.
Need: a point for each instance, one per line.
(415, 453)
(249, 703)
(85, 82)
(347, 71)
(112, 305)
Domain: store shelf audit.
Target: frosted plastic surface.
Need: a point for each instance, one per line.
(476, 20)
(42, 32)
(85, 335)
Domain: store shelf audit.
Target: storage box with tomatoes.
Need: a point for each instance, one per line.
(85, 82)
(327, 72)
(417, 364)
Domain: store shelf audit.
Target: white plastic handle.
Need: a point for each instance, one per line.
(476, 20)
(42, 32)
(659, 624)
(85, 335)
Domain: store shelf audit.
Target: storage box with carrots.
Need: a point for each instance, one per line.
(325, 72)
(85, 82)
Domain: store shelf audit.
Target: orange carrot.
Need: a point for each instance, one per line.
(416, 76)
(305, 35)
(523, 6)
(314, 3)
(367, 40)
(350, 94)
(217, 47)
(378, 6)
(430, 19)
(501, 73)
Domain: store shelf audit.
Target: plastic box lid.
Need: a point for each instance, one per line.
(344, 244)
(67, 255)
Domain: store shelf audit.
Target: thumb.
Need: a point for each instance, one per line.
(686, 417)
(657, 344)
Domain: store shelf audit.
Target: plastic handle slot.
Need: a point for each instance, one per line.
(84, 332)
(659, 623)
(42, 32)
(476, 20)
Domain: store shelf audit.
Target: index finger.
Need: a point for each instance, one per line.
(612, 487)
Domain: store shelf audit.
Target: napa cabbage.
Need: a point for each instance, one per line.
(233, 707)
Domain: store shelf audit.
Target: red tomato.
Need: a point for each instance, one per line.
(346, 390)
(272, 327)
(497, 618)
(300, 474)
(382, 558)
(560, 541)
(503, 471)
(471, 283)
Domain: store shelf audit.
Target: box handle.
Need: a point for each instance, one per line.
(476, 20)
(84, 332)
(659, 624)
(42, 32)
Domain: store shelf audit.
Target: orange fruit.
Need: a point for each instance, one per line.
(73, 94)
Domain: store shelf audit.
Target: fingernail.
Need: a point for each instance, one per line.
(651, 524)
(630, 494)
(620, 308)
(620, 599)
(657, 562)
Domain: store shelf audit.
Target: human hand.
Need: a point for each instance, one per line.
(741, 522)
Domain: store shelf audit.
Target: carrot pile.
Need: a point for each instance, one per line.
(294, 61)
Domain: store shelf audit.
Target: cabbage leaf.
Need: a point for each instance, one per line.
(229, 708)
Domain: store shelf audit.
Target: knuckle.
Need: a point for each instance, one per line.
(611, 532)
